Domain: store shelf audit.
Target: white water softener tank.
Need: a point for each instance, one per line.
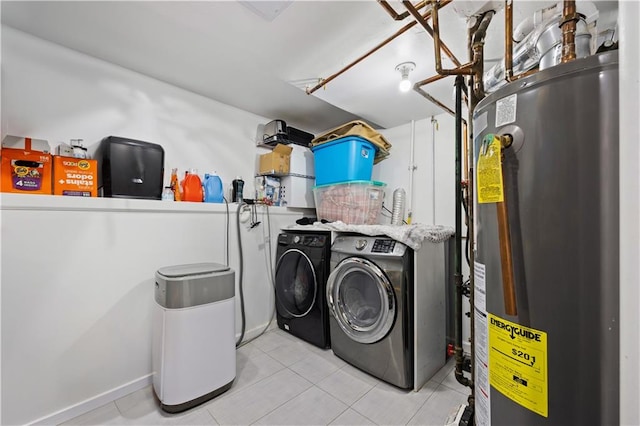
(193, 339)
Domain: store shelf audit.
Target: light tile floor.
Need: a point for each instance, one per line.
(282, 380)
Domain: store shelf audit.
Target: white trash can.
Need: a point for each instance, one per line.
(193, 341)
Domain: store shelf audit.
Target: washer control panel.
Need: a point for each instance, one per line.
(361, 244)
(314, 240)
(383, 246)
(302, 240)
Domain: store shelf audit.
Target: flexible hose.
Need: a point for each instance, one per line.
(242, 314)
(271, 280)
(227, 228)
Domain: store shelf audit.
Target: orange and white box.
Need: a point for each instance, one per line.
(25, 169)
(75, 176)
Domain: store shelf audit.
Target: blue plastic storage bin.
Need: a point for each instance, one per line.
(344, 159)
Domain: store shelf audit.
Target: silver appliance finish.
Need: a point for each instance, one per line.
(369, 330)
(183, 286)
(549, 44)
(561, 184)
(358, 290)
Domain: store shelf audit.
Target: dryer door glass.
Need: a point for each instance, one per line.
(361, 300)
(296, 284)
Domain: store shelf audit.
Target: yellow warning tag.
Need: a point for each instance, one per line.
(518, 363)
(490, 188)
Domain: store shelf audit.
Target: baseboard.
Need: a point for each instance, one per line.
(256, 331)
(94, 402)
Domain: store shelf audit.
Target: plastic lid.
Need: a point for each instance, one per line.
(178, 271)
(343, 139)
(357, 182)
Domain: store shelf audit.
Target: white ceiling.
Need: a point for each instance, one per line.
(227, 52)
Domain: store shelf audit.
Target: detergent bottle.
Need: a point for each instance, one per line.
(213, 189)
(192, 190)
(175, 185)
(237, 187)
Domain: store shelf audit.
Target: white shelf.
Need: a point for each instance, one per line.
(9, 201)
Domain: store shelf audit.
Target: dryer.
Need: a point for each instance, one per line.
(386, 304)
(302, 268)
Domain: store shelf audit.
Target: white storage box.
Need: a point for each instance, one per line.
(301, 162)
(296, 191)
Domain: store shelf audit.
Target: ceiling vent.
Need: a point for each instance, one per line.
(267, 10)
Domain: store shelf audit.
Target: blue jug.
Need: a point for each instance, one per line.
(213, 191)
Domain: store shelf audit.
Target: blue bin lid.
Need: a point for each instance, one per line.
(342, 140)
(351, 182)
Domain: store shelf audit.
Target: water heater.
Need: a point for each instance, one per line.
(546, 323)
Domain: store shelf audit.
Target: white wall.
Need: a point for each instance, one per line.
(433, 193)
(77, 321)
(57, 94)
(77, 274)
(432, 197)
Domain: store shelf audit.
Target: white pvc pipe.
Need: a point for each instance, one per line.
(412, 167)
(434, 123)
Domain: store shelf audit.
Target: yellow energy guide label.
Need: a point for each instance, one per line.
(518, 363)
(489, 171)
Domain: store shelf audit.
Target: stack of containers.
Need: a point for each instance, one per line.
(344, 190)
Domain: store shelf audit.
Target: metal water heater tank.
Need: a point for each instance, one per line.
(546, 273)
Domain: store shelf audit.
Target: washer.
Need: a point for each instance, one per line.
(302, 269)
(370, 298)
(387, 307)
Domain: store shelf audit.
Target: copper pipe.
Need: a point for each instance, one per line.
(508, 46)
(395, 15)
(508, 39)
(524, 74)
(418, 88)
(435, 33)
(430, 80)
(504, 238)
(437, 45)
(505, 260)
(434, 100)
(568, 25)
(386, 41)
(478, 50)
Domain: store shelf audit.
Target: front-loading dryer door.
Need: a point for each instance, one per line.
(361, 299)
(296, 284)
